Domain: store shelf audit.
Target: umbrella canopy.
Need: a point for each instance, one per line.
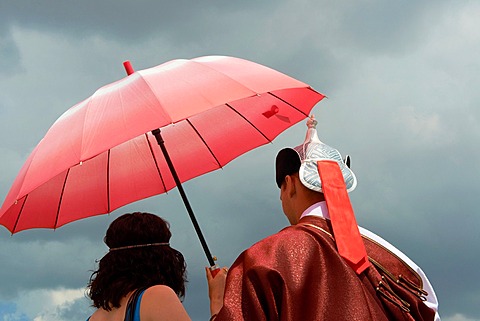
(101, 155)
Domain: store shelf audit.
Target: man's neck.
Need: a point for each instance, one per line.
(316, 209)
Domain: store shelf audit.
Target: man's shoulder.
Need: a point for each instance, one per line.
(294, 235)
(282, 235)
(286, 247)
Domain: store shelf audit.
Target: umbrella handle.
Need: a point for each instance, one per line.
(158, 137)
(214, 269)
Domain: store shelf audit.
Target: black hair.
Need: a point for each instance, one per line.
(287, 162)
(125, 270)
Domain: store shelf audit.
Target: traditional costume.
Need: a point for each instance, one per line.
(323, 268)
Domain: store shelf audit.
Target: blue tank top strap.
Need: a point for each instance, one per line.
(136, 312)
(136, 307)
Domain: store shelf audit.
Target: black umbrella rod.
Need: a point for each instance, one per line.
(158, 136)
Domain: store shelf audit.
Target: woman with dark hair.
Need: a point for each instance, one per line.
(141, 275)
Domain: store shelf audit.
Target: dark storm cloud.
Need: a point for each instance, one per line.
(126, 20)
(34, 265)
(9, 53)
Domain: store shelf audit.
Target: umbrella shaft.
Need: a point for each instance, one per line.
(158, 137)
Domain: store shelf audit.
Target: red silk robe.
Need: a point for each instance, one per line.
(297, 274)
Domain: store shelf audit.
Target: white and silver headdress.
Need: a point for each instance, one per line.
(313, 150)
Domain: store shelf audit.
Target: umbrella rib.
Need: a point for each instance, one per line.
(108, 181)
(19, 214)
(61, 198)
(286, 102)
(205, 143)
(258, 130)
(156, 163)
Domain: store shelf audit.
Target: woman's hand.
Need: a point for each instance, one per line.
(216, 288)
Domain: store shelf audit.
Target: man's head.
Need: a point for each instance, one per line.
(295, 197)
(297, 175)
(287, 163)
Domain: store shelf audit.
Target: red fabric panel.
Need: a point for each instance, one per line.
(347, 236)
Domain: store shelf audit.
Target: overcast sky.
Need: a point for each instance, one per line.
(402, 82)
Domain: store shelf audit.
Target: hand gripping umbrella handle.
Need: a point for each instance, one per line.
(158, 137)
(214, 269)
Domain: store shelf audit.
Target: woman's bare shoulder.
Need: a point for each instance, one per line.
(160, 289)
(160, 302)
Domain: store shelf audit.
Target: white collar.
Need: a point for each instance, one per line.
(318, 209)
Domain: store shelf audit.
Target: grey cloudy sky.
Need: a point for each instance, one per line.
(402, 80)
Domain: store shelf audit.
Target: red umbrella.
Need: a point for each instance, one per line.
(101, 154)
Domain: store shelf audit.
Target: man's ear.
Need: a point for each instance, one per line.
(290, 185)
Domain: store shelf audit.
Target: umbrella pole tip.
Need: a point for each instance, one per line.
(128, 67)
